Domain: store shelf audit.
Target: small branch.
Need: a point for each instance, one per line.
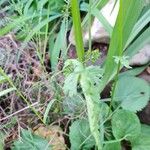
(9, 116)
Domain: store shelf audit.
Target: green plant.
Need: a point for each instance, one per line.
(2, 137)
(30, 141)
(5, 77)
(103, 124)
(89, 78)
(92, 80)
(2, 80)
(81, 129)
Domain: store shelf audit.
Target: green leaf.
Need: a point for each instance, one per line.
(80, 136)
(40, 26)
(48, 109)
(4, 92)
(96, 13)
(132, 93)
(139, 43)
(125, 124)
(143, 141)
(2, 79)
(58, 46)
(14, 24)
(72, 70)
(2, 137)
(31, 142)
(56, 6)
(124, 25)
(145, 129)
(77, 29)
(142, 22)
(74, 105)
(70, 85)
(89, 79)
(113, 146)
(134, 72)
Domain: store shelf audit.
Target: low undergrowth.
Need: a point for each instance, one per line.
(48, 101)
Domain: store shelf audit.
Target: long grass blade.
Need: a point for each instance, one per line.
(124, 25)
(77, 29)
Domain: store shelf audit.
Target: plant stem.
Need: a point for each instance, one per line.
(114, 87)
(120, 50)
(90, 20)
(20, 94)
(77, 29)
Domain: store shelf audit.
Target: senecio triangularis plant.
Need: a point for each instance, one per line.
(89, 79)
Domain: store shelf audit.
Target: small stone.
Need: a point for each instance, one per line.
(142, 57)
(98, 32)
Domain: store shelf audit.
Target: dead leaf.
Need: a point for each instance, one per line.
(54, 135)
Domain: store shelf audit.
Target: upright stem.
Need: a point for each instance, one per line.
(120, 49)
(90, 20)
(21, 95)
(77, 29)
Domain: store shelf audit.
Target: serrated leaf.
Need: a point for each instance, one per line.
(80, 136)
(113, 146)
(125, 124)
(70, 85)
(143, 141)
(132, 93)
(95, 73)
(74, 105)
(30, 141)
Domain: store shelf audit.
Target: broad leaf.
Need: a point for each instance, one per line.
(74, 105)
(143, 142)
(80, 136)
(132, 93)
(30, 142)
(145, 129)
(113, 146)
(125, 124)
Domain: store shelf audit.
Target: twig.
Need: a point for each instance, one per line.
(7, 117)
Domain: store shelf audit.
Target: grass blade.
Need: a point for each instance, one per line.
(77, 29)
(124, 25)
(4, 92)
(48, 109)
